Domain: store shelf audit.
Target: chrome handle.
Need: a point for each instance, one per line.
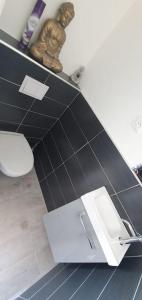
(125, 222)
(91, 242)
(135, 236)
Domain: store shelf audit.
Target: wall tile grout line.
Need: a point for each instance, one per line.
(81, 285)
(122, 191)
(55, 173)
(64, 165)
(64, 282)
(63, 162)
(54, 203)
(103, 171)
(109, 280)
(85, 178)
(62, 114)
(54, 100)
(50, 280)
(37, 113)
(137, 288)
(25, 116)
(11, 82)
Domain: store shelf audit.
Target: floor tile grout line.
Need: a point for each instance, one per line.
(81, 285)
(50, 280)
(11, 82)
(64, 165)
(109, 280)
(55, 173)
(64, 282)
(137, 288)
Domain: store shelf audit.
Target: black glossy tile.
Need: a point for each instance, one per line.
(11, 114)
(117, 171)
(124, 282)
(32, 131)
(135, 249)
(92, 288)
(14, 67)
(65, 183)
(94, 174)
(119, 208)
(49, 201)
(4, 126)
(48, 289)
(48, 107)
(78, 179)
(60, 91)
(69, 288)
(72, 130)
(132, 202)
(55, 191)
(86, 117)
(44, 159)
(38, 167)
(44, 280)
(37, 120)
(33, 141)
(62, 142)
(52, 151)
(9, 93)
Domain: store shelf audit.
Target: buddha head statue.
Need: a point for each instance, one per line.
(65, 14)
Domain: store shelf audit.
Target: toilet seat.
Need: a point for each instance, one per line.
(16, 157)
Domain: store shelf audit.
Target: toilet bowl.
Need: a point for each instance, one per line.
(16, 157)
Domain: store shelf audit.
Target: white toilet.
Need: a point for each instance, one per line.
(16, 156)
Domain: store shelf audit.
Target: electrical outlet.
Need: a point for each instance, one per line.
(137, 124)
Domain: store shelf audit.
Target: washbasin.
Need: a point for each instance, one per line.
(87, 230)
(107, 224)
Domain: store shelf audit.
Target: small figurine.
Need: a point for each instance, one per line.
(52, 38)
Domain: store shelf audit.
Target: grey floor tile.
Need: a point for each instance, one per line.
(124, 282)
(46, 291)
(45, 280)
(69, 288)
(94, 285)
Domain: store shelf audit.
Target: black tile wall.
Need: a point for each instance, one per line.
(112, 162)
(91, 282)
(83, 162)
(60, 91)
(86, 118)
(24, 114)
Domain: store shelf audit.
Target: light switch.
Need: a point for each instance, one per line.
(137, 124)
(33, 88)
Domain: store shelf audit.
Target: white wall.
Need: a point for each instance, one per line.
(2, 2)
(112, 84)
(94, 21)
